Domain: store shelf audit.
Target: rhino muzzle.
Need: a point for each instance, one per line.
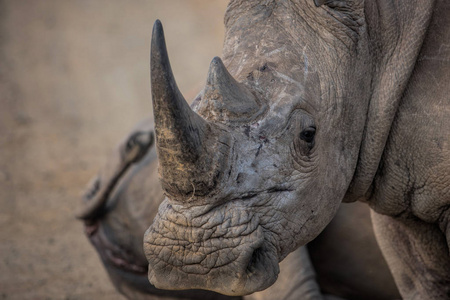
(188, 251)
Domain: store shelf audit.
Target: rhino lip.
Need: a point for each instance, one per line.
(193, 255)
(111, 253)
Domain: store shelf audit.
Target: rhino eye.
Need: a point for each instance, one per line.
(308, 134)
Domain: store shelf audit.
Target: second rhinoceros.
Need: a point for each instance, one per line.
(321, 102)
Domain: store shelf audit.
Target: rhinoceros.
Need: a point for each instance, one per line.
(121, 202)
(313, 103)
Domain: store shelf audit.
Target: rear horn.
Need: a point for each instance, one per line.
(228, 99)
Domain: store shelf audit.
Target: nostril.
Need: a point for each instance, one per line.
(255, 260)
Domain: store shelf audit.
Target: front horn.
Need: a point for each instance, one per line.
(190, 149)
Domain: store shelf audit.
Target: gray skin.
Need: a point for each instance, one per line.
(119, 205)
(326, 102)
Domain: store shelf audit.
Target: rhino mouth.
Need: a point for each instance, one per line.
(227, 242)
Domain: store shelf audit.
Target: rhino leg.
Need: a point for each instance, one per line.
(419, 259)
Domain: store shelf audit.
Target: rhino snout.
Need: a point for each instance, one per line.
(227, 242)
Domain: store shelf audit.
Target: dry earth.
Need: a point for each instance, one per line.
(73, 80)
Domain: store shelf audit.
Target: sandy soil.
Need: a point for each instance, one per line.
(73, 80)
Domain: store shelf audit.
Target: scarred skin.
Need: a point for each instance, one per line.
(354, 270)
(333, 101)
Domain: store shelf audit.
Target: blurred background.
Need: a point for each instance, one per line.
(74, 79)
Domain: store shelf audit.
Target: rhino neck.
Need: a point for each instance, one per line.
(397, 30)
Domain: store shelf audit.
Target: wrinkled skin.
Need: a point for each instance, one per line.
(334, 101)
(116, 229)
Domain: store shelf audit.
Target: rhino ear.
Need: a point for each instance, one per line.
(319, 2)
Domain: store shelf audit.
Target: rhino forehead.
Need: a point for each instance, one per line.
(285, 73)
(287, 30)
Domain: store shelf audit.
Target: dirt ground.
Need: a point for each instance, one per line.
(74, 78)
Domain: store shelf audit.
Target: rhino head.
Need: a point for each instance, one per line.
(260, 164)
(294, 124)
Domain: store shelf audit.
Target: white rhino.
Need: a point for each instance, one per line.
(320, 102)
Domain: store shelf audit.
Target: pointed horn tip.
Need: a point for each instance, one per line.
(216, 64)
(158, 31)
(216, 60)
(157, 26)
(216, 68)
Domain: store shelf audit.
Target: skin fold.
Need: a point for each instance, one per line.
(116, 226)
(313, 103)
